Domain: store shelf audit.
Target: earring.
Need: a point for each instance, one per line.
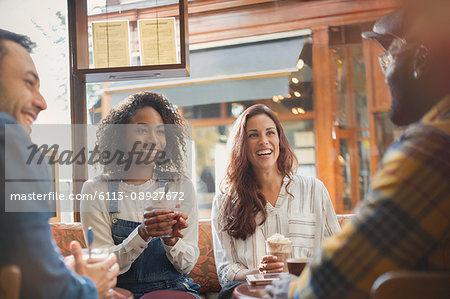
(416, 75)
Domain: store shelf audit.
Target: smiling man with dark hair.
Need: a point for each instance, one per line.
(19, 80)
(25, 238)
(404, 222)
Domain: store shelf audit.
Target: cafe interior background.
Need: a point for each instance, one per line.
(303, 59)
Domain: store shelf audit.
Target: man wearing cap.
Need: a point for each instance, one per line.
(404, 222)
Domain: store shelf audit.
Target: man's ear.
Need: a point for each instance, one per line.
(421, 59)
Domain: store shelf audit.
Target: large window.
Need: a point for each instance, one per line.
(225, 79)
(229, 72)
(360, 101)
(336, 122)
(45, 23)
(352, 130)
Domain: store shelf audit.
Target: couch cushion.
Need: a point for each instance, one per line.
(204, 272)
(64, 233)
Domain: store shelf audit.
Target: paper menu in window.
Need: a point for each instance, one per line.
(157, 41)
(111, 44)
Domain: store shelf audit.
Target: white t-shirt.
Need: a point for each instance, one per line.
(306, 219)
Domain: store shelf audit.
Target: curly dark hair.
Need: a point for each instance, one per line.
(110, 137)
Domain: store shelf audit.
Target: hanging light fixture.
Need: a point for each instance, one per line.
(298, 110)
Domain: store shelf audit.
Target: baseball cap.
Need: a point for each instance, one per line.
(416, 20)
(386, 29)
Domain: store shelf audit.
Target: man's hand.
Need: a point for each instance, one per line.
(70, 262)
(279, 289)
(103, 274)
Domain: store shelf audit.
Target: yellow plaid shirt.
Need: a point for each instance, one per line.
(404, 222)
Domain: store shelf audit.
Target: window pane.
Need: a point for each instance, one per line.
(45, 24)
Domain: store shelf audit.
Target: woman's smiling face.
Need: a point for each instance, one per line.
(263, 143)
(146, 128)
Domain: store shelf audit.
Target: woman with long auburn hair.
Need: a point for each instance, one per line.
(261, 195)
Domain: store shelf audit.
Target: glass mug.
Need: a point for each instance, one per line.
(164, 200)
(97, 255)
(296, 265)
(282, 251)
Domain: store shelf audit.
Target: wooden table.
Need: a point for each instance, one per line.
(246, 291)
(120, 293)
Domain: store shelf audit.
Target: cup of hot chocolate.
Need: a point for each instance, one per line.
(281, 247)
(296, 265)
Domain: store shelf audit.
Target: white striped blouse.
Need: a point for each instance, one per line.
(306, 219)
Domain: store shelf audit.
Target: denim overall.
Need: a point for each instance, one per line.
(151, 271)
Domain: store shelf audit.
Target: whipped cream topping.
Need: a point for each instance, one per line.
(279, 243)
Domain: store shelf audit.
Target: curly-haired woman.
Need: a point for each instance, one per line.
(140, 146)
(261, 195)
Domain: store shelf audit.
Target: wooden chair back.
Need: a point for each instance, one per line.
(10, 282)
(412, 285)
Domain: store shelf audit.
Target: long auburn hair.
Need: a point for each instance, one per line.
(243, 198)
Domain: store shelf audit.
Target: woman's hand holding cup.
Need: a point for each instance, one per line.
(177, 228)
(158, 222)
(270, 264)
